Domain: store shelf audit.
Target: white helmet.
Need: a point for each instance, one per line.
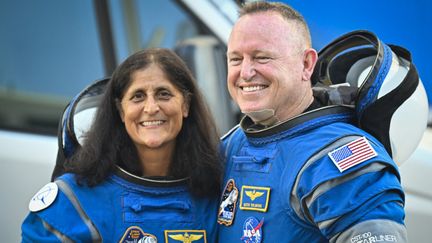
(390, 100)
(76, 120)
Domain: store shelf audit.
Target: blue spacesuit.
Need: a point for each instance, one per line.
(313, 178)
(140, 210)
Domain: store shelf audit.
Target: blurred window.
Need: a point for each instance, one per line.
(50, 50)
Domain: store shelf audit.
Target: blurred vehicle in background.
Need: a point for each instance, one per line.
(52, 49)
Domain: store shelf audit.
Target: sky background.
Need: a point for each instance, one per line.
(52, 47)
(400, 22)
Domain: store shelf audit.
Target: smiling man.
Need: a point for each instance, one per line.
(303, 172)
(270, 64)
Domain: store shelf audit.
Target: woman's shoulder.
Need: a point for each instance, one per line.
(57, 209)
(66, 192)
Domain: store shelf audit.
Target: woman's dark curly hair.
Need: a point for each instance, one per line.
(107, 143)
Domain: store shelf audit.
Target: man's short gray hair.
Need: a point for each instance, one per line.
(286, 11)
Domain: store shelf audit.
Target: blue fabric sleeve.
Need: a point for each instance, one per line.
(374, 195)
(61, 216)
(33, 230)
(380, 224)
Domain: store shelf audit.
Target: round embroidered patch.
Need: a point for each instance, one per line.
(44, 197)
(252, 230)
(136, 234)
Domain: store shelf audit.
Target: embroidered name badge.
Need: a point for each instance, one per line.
(254, 198)
(227, 206)
(352, 154)
(252, 230)
(136, 234)
(186, 236)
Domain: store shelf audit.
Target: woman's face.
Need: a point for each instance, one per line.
(153, 109)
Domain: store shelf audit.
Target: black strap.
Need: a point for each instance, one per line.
(60, 160)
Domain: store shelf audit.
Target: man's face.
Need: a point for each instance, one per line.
(266, 65)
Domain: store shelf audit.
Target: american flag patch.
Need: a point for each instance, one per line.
(352, 154)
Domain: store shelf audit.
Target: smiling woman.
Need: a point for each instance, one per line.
(148, 167)
(153, 110)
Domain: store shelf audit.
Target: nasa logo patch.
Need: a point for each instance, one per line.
(44, 197)
(136, 234)
(252, 230)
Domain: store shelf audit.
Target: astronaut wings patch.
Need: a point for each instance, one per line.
(186, 236)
